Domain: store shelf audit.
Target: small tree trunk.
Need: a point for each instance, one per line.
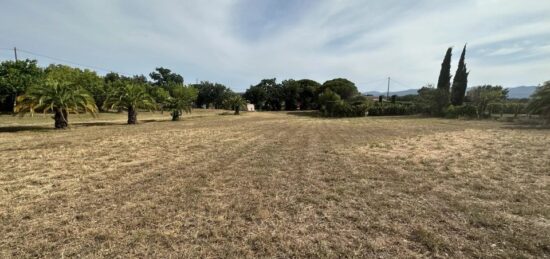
(176, 115)
(237, 109)
(61, 119)
(132, 115)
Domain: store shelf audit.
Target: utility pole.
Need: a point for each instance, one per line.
(15, 52)
(388, 93)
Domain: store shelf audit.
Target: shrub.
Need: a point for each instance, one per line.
(392, 109)
(344, 109)
(515, 108)
(333, 106)
(461, 111)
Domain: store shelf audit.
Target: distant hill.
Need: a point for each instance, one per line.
(513, 93)
(521, 92)
(398, 93)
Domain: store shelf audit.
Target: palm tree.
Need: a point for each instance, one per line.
(182, 100)
(235, 102)
(540, 101)
(130, 96)
(59, 97)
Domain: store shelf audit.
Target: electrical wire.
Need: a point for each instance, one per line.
(67, 61)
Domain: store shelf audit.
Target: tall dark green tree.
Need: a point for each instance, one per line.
(443, 84)
(460, 82)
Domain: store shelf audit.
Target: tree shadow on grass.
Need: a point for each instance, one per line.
(526, 126)
(312, 114)
(10, 129)
(114, 123)
(228, 113)
(43, 128)
(536, 123)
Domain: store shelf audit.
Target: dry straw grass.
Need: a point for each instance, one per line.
(274, 185)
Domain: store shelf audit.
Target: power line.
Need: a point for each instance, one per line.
(402, 84)
(70, 62)
(371, 82)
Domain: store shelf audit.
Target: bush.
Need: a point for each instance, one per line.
(345, 109)
(461, 111)
(515, 108)
(333, 106)
(392, 109)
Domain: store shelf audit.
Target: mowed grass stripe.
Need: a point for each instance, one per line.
(276, 185)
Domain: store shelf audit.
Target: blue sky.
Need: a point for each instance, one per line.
(239, 42)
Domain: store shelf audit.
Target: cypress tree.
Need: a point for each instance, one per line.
(442, 97)
(460, 82)
(444, 82)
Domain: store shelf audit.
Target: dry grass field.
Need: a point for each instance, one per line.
(273, 185)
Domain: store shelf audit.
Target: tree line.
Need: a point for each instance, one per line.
(61, 90)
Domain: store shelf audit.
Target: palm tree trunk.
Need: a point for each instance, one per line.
(61, 119)
(237, 109)
(176, 115)
(132, 115)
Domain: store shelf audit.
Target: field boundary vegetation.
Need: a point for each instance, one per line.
(61, 90)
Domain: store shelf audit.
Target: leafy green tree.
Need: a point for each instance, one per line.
(236, 103)
(308, 92)
(57, 96)
(275, 94)
(328, 101)
(256, 95)
(540, 101)
(15, 78)
(182, 100)
(161, 96)
(131, 97)
(291, 92)
(165, 78)
(112, 77)
(482, 96)
(444, 81)
(211, 94)
(432, 101)
(266, 95)
(138, 79)
(93, 83)
(460, 82)
(343, 87)
(86, 79)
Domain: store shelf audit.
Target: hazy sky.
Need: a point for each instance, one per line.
(239, 42)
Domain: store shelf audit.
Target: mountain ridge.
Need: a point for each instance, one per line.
(513, 92)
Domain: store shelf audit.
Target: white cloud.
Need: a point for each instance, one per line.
(361, 40)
